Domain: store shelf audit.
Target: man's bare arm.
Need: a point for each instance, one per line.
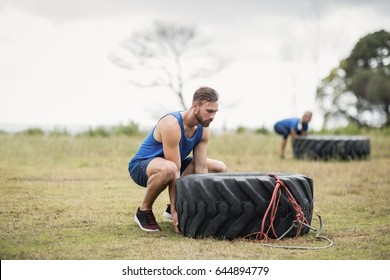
(170, 133)
(200, 153)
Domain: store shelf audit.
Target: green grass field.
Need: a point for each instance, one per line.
(64, 197)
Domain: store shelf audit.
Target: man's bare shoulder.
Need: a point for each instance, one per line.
(168, 122)
(167, 126)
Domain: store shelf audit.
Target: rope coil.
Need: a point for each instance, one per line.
(300, 220)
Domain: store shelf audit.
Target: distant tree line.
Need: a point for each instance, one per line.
(130, 129)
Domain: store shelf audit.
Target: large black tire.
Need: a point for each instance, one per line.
(331, 147)
(232, 205)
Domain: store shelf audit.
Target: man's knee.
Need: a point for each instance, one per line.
(169, 170)
(220, 167)
(164, 171)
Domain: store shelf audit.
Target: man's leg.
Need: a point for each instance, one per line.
(283, 147)
(213, 166)
(283, 131)
(160, 173)
(216, 166)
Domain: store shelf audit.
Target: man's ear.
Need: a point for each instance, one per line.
(195, 106)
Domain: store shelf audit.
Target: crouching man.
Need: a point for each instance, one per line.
(164, 155)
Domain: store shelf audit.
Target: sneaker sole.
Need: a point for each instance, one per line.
(145, 229)
(168, 216)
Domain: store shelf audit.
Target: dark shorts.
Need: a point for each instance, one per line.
(280, 129)
(137, 170)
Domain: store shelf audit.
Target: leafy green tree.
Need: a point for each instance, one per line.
(360, 85)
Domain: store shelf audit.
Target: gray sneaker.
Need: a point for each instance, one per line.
(146, 220)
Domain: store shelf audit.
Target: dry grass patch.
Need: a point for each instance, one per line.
(72, 198)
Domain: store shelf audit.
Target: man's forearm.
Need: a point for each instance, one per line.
(172, 192)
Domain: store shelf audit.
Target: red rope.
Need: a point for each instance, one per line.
(273, 207)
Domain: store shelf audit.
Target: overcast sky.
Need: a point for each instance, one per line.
(54, 66)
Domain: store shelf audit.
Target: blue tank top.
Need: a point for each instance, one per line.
(293, 123)
(151, 148)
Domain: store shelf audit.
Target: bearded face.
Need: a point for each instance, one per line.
(206, 113)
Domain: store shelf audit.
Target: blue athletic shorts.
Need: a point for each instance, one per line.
(137, 169)
(280, 129)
